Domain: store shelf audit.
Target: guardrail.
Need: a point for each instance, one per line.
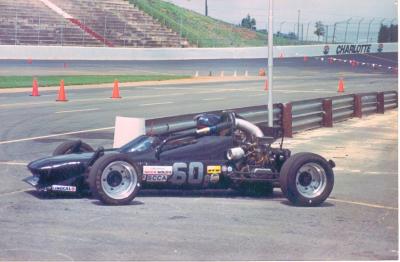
(295, 116)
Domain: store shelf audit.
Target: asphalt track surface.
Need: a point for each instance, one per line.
(37, 67)
(360, 224)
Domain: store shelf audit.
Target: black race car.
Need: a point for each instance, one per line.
(223, 151)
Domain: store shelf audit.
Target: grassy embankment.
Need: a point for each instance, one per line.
(204, 31)
(26, 81)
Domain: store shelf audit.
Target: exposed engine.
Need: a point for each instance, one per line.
(254, 158)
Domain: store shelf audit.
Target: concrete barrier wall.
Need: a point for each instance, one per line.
(105, 53)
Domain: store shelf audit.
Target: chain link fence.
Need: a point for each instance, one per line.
(23, 29)
(348, 31)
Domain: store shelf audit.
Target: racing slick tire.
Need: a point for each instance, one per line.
(306, 179)
(114, 179)
(69, 146)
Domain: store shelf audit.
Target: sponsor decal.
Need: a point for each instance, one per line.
(380, 47)
(326, 49)
(157, 170)
(214, 169)
(156, 173)
(156, 178)
(63, 188)
(214, 178)
(353, 49)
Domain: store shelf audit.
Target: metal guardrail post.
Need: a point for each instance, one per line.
(357, 106)
(287, 120)
(327, 119)
(380, 105)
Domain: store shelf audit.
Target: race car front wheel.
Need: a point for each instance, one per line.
(114, 179)
(306, 179)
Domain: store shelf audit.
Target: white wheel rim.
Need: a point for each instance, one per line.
(119, 180)
(311, 180)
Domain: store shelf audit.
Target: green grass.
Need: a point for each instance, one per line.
(26, 81)
(203, 31)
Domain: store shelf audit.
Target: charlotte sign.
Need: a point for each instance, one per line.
(353, 49)
(343, 49)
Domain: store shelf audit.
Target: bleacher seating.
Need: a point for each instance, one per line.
(96, 23)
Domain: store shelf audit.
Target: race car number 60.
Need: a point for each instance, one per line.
(194, 175)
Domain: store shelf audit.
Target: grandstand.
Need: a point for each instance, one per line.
(112, 23)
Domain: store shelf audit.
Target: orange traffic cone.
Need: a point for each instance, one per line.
(281, 55)
(341, 85)
(305, 58)
(115, 93)
(61, 93)
(266, 85)
(35, 88)
(261, 72)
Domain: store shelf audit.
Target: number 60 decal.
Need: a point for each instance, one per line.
(181, 174)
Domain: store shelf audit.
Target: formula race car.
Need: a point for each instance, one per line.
(222, 151)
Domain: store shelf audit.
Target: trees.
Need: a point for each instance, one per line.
(319, 29)
(248, 22)
(387, 34)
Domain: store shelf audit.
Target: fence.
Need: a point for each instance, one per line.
(18, 28)
(349, 31)
(296, 116)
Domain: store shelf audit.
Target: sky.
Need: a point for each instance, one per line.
(286, 11)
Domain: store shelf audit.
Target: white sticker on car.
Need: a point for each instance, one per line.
(157, 170)
(63, 188)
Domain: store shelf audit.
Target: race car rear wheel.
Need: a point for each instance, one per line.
(306, 179)
(114, 179)
(70, 147)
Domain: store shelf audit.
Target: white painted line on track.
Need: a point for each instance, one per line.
(55, 135)
(303, 91)
(77, 110)
(213, 99)
(13, 163)
(156, 104)
(14, 192)
(174, 88)
(362, 204)
(107, 99)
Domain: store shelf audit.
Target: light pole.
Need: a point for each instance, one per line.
(298, 24)
(206, 8)
(334, 32)
(369, 28)
(308, 26)
(280, 26)
(358, 29)
(270, 65)
(347, 26)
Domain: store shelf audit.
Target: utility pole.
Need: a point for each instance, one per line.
(206, 8)
(298, 24)
(270, 65)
